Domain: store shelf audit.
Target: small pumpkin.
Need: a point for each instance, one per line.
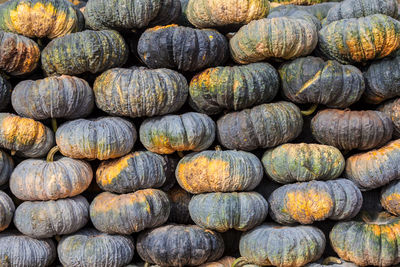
(129, 213)
(5, 92)
(7, 209)
(392, 109)
(179, 200)
(297, 13)
(87, 51)
(233, 88)
(89, 247)
(182, 48)
(390, 197)
(192, 245)
(263, 126)
(6, 167)
(140, 92)
(347, 130)
(219, 171)
(331, 261)
(170, 133)
(102, 138)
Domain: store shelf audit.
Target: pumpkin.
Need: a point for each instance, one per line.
(390, 197)
(233, 88)
(219, 171)
(129, 213)
(5, 92)
(392, 109)
(182, 48)
(360, 39)
(297, 13)
(170, 133)
(311, 80)
(102, 138)
(18, 54)
(272, 244)
(6, 167)
(346, 129)
(262, 39)
(89, 247)
(223, 262)
(26, 136)
(262, 126)
(87, 51)
(320, 10)
(223, 211)
(290, 163)
(331, 261)
(179, 200)
(140, 92)
(179, 245)
(7, 209)
(371, 239)
(20, 250)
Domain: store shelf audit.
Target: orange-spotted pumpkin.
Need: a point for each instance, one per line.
(392, 109)
(390, 198)
(7, 209)
(6, 167)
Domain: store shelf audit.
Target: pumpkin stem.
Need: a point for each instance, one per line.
(13, 152)
(146, 264)
(180, 154)
(239, 262)
(52, 152)
(310, 110)
(54, 124)
(218, 148)
(331, 260)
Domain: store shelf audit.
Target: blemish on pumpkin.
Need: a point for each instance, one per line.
(309, 82)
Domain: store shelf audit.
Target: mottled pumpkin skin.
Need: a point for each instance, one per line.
(360, 39)
(375, 168)
(87, 51)
(7, 209)
(223, 211)
(263, 126)
(233, 88)
(271, 244)
(332, 262)
(140, 92)
(90, 247)
(18, 54)
(252, 43)
(390, 197)
(5, 93)
(192, 245)
(170, 133)
(313, 80)
(102, 138)
(392, 109)
(179, 200)
(295, 13)
(26, 136)
(129, 213)
(182, 48)
(19, 250)
(219, 171)
(347, 130)
(372, 239)
(290, 163)
(6, 167)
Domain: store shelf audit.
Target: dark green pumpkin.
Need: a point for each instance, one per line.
(5, 92)
(390, 198)
(7, 209)
(233, 88)
(179, 200)
(296, 13)
(392, 109)
(6, 167)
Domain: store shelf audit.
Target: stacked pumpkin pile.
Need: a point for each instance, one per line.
(213, 90)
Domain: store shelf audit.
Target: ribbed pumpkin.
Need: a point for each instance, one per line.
(170, 133)
(7, 209)
(87, 51)
(331, 261)
(390, 198)
(223, 211)
(219, 171)
(140, 92)
(233, 88)
(290, 163)
(375, 168)
(179, 200)
(313, 80)
(271, 244)
(192, 245)
(295, 13)
(263, 126)
(20, 250)
(89, 247)
(360, 39)
(6, 167)
(26, 136)
(182, 48)
(372, 239)
(392, 109)
(263, 39)
(102, 138)
(5, 92)
(129, 213)
(43, 219)
(346, 129)
(18, 54)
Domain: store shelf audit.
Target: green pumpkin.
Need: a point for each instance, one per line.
(7, 209)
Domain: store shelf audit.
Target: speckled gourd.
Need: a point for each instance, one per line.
(6, 167)
(7, 209)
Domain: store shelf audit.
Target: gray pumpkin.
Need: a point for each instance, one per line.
(6, 167)
(5, 92)
(7, 209)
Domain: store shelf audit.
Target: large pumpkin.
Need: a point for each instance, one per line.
(219, 171)
(392, 109)
(182, 48)
(179, 245)
(140, 92)
(290, 163)
(87, 51)
(179, 200)
(263, 126)
(347, 130)
(233, 88)
(170, 133)
(7, 209)
(262, 39)
(102, 138)
(89, 247)
(390, 197)
(315, 81)
(6, 167)
(129, 213)
(371, 239)
(5, 92)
